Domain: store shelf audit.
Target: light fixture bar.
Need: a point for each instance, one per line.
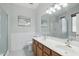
(57, 6)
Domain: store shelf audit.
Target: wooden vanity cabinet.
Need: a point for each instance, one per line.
(34, 47)
(46, 51)
(55, 53)
(45, 54)
(42, 50)
(40, 46)
(39, 52)
(39, 49)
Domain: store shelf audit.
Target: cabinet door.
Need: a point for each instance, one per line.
(55, 54)
(40, 46)
(47, 50)
(39, 51)
(34, 49)
(45, 54)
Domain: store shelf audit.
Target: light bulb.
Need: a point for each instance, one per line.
(52, 9)
(48, 12)
(57, 7)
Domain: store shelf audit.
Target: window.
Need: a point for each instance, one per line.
(64, 25)
(74, 23)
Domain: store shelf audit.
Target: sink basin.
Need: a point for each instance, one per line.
(67, 50)
(63, 48)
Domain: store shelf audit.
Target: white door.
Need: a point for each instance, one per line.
(77, 26)
(3, 32)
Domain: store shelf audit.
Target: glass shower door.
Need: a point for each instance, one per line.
(3, 32)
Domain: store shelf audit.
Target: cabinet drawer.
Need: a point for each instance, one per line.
(34, 49)
(44, 54)
(40, 46)
(35, 42)
(39, 52)
(55, 53)
(47, 50)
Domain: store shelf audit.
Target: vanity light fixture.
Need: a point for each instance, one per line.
(52, 9)
(58, 7)
(48, 12)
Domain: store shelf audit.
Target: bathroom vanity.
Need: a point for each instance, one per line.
(41, 50)
(50, 47)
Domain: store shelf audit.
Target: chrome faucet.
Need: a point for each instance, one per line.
(68, 43)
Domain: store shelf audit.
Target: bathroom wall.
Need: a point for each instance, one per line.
(18, 36)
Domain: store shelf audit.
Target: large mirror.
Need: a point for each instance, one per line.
(54, 26)
(45, 24)
(61, 23)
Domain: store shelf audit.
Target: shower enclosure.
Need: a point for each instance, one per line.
(3, 32)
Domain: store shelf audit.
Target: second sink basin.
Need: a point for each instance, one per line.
(66, 50)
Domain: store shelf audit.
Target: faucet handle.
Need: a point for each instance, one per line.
(67, 42)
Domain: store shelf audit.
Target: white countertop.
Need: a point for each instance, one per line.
(59, 47)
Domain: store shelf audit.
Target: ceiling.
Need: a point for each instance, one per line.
(29, 5)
